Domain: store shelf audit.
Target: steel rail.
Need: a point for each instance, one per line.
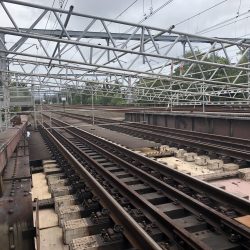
(208, 213)
(226, 140)
(234, 147)
(134, 233)
(159, 217)
(198, 185)
(212, 138)
(200, 143)
(232, 110)
(232, 201)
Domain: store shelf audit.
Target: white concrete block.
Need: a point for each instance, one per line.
(163, 148)
(173, 150)
(67, 200)
(88, 242)
(68, 213)
(215, 164)
(50, 165)
(190, 157)
(174, 166)
(48, 162)
(180, 153)
(57, 183)
(60, 191)
(74, 229)
(185, 172)
(53, 177)
(230, 167)
(244, 173)
(201, 160)
(49, 171)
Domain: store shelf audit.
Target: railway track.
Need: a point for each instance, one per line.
(218, 109)
(225, 147)
(230, 147)
(179, 212)
(87, 192)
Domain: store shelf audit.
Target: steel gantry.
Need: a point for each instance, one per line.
(92, 55)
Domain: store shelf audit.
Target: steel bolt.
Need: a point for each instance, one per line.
(200, 217)
(176, 202)
(11, 211)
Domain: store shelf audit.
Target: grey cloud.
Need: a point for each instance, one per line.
(171, 14)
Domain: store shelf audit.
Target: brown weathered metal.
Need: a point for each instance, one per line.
(16, 220)
(233, 125)
(9, 146)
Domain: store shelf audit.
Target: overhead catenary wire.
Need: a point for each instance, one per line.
(187, 19)
(119, 15)
(161, 7)
(49, 15)
(216, 26)
(225, 25)
(151, 14)
(239, 7)
(61, 3)
(224, 1)
(212, 7)
(201, 12)
(224, 22)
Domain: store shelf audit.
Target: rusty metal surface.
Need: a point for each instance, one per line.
(131, 108)
(9, 140)
(16, 212)
(220, 124)
(38, 244)
(19, 159)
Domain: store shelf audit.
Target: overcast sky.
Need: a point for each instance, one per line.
(174, 12)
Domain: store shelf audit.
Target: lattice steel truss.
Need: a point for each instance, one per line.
(94, 55)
